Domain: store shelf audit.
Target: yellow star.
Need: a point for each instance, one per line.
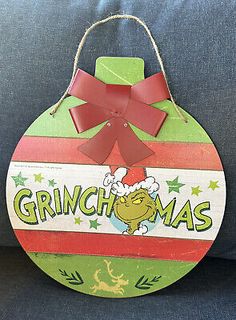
(196, 190)
(78, 221)
(213, 185)
(38, 177)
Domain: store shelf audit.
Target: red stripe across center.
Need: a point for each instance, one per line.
(112, 245)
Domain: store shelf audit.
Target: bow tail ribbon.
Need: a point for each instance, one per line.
(116, 130)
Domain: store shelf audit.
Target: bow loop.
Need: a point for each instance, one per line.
(151, 89)
(88, 116)
(87, 88)
(145, 117)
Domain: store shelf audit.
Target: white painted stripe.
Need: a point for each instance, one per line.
(89, 175)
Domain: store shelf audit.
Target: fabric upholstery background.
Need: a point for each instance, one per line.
(197, 40)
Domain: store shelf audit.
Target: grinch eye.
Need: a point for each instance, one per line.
(138, 201)
(122, 199)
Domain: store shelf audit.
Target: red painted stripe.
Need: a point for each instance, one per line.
(167, 154)
(112, 245)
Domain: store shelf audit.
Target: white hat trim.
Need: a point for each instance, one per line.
(122, 189)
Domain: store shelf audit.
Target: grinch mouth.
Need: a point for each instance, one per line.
(137, 218)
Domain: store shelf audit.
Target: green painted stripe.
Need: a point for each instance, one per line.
(119, 71)
(133, 270)
(174, 129)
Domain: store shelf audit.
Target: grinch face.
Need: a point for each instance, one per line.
(134, 208)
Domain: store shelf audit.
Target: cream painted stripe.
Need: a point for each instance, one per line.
(71, 175)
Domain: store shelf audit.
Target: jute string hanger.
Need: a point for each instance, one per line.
(82, 42)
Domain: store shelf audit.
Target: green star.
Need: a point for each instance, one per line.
(213, 185)
(94, 224)
(174, 185)
(19, 180)
(196, 190)
(51, 183)
(78, 221)
(38, 177)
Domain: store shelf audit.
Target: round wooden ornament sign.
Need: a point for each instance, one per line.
(116, 210)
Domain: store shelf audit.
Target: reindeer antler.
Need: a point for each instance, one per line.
(108, 263)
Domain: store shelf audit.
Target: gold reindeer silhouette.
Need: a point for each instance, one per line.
(116, 288)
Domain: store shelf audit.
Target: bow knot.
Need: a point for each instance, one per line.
(117, 98)
(119, 105)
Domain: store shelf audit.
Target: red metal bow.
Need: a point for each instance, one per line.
(120, 105)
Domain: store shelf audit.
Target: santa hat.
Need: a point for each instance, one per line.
(124, 181)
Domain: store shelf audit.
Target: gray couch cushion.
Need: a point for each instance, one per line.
(197, 42)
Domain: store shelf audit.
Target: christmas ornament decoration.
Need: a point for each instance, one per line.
(121, 192)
